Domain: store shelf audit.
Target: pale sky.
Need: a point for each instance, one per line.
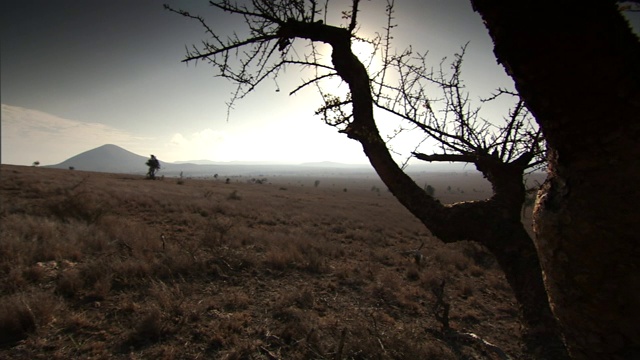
(78, 74)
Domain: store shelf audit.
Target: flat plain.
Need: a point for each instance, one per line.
(99, 265)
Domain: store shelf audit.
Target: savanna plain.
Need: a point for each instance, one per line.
(98, 265)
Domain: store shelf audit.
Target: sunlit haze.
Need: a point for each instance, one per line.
(80, 74)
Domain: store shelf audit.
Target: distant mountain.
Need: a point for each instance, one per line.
(114, 159)
(106, 158)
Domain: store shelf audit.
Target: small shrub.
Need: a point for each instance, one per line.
(148, 330)
(215, 230)
(413, 274)
(338, 229)
(24, 314)
(296, 324)
(467, 289)
(128, 272)
(100, 289)
(169, 297)
(13, 281)
(452, 258)
(431, 279)
(69, 283)
(237, 301)
(234, 195)
(387, 289)
(314, 262)
(83, 206)
(17, 321)
(430, 190)
(76, 321)
(476, 271)
(304, 299)
(277, 259)
(34, 273)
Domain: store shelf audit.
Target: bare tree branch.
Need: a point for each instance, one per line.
(354, 13)
(501, 151)
(312, 81)
(450, 118)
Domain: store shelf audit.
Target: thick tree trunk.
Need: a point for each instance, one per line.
(576, 66)
(494, 223)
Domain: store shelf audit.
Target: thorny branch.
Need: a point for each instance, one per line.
(404, 87)
(434, 102)
(266, 50)
(450, 118)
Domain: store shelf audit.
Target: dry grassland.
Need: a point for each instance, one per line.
(114, 266)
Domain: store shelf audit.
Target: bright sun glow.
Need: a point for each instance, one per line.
(365, 52)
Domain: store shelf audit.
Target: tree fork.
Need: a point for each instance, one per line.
(482, 221)
(576, 67)
(494, 223)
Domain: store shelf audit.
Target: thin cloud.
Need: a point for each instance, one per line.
(206, 144)
(30, 135)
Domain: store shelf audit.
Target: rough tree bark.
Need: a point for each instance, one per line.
(577, 67)
(495, 222)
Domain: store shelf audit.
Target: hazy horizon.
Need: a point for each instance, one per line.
(420, 166)
(77, 75)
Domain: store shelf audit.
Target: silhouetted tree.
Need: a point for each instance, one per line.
(36, 163)
(502, 153)
(154, 167)
(430, 190)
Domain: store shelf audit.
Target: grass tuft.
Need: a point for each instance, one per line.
(23, 314)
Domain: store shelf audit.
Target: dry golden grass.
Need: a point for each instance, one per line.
(114, 266)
